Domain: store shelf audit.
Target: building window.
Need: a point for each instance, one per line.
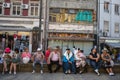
(16, 8)
(116, 9)
(34, 8)
(106, 6)
(116, 28)
(1, 9)
(106, 26)
(70, 15)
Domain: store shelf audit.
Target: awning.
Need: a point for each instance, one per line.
(14, 28)
(113, 45)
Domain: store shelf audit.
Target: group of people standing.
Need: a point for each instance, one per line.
(71, 61)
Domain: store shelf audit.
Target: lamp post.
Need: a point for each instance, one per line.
(40, 23)
(45, 23)
(97, 23)
(96, 27)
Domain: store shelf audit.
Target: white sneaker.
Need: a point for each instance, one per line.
(10, 72)
(97, 72)
(33, 71)
(69, 71)
(41, 71)
(14, 73)
(66, 72)
(111, 74)
(80, 72)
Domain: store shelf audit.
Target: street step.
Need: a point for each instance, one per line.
(28, 68)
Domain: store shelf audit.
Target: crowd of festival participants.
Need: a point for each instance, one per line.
(72, 61)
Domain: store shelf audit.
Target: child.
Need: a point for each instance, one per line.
(26, 56)
(6, 59)
(14, 61)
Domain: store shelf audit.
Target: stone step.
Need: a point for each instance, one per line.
(28, 68)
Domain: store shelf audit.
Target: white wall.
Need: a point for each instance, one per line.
(111, 17)
(114, 18)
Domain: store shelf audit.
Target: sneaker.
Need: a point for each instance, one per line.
(66, 72)
(10, 72)
(41, 71)
(33, 71)
(81, 72)
(69, 71)
(97, 72)
(14, 73)
(111, 74)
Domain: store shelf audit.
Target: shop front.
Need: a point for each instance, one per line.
(14, 38)
(113, 46)
(68, 40)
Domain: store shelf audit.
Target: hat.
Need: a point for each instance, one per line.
(39, 49)
(68, 49)
(104, 49)
(7, 50)
(78, 48)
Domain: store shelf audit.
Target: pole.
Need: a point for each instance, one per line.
(45, 23)
(98, 20)
(40, 16)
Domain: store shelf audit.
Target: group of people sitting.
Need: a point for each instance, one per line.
(71, 61)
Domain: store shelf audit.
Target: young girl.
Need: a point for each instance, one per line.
(26, 56)
(14, 61)
(6, 59)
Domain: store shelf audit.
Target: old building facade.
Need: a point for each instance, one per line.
(65, 23)
(71, 24)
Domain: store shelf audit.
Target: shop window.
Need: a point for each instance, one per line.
(16, 8)
(34, 9)
(106, 6)
(1, 9)
(116, 28)
(116, 9)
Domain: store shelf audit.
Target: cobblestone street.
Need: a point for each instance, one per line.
(58, 76)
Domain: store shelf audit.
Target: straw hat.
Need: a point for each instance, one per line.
(105, 49)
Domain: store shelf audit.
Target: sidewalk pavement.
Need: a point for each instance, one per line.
(58, 76)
